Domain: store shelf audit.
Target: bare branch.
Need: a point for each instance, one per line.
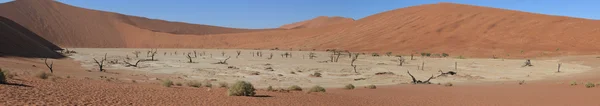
(49, 66)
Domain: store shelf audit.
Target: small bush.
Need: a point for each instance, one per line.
(448, 84)
(223, 85)
(521, 82)
(2, 77)
(590, 85)
(43, 75)
(460, 57)
(445, 55)
(371, 87)
(316, 74)
(167, 83)
(270, 88)
(388, 54)
(295, 88)
(573, 83)
(317, 89)
(241, 88)
(208, 84)
(375, 55)
(178, 84)
(349, 86)
(195, 84)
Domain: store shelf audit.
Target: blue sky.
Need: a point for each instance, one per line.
(273, 13)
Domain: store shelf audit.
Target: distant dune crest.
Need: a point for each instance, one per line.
(320, 21)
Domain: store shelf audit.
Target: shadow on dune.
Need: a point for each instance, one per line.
(16, 40)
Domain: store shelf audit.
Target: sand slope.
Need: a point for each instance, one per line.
(71, 26)
(320, 21)
(16, 40)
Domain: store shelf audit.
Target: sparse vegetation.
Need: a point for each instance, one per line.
(460, 57)
(316, 74)
(573, 83)
(223, 85)
(43, 75)
(371, 87)
(375, 55)
(521, 82)
(178, 84)
(317, 88)
(195, 84)
(388, 54)
(2, 77)
(208, 84)
(349, 86)
(445, 55)
(270, 88)
(241, 88)
(167, 83)
(590, 85)
(295, 88)
(448, 84)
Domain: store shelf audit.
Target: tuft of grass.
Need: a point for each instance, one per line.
(178, 84)
(2, 77)
(295, 88)
(194, 84)
(317, 88)
(448, 84)
(223, 85)
(590, 85)
(349, 86)
(445, 55)
(270, 88)
(43, 75)
(521, 82)
(460, 57)
(167, 83)
(208, 84)
(241, 88)
(573, 83)
(371, 87)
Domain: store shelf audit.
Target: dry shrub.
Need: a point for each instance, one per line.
(590, 85)
(43, 75)
(317, 88)
(270, 88)
(167, 83)
(295, 88)
(2, 77)
(448, 84)
(371, 87)
(223, 85)
(349, 86)
(241, 88)
(178, 84)
(194, 84)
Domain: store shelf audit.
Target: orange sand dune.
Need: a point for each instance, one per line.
(456, 29)
(320, 21)
(16, 40)
(71, 26)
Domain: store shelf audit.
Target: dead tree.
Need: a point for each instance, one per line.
(349, 54)
(223, 53)
(132, 65)
(224, 61)
(352, 63)
(238, 54)
(423, 66)
(446, 73)
(152, 54)
(137, 53)
(270, 57)
(527, 63)
(559, 67)
(401, 61)
(190, 58)
(411, 56)
(49, 65)
(252, 54)
(311, 55)
(100, 63)
(415, 81)
(195, 55)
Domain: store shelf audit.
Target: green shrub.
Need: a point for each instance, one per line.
(167, 83)
(43, 75)
(223, 85)
(445, 55)
(371, 87)
(427, 54)
(590, 85)
(295, 88)
(349, 86)
(317, 88)
(2, 77)
(195, 84)
(241, 88)
(460, 57)
(270, 88)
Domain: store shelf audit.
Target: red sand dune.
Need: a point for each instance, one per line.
(456, 29)
(320, 21)
(16, 40)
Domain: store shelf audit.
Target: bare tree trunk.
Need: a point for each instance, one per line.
(49, 65)
(559, 67)
(423, 66)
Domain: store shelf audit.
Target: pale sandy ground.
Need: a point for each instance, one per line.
(175, 67)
